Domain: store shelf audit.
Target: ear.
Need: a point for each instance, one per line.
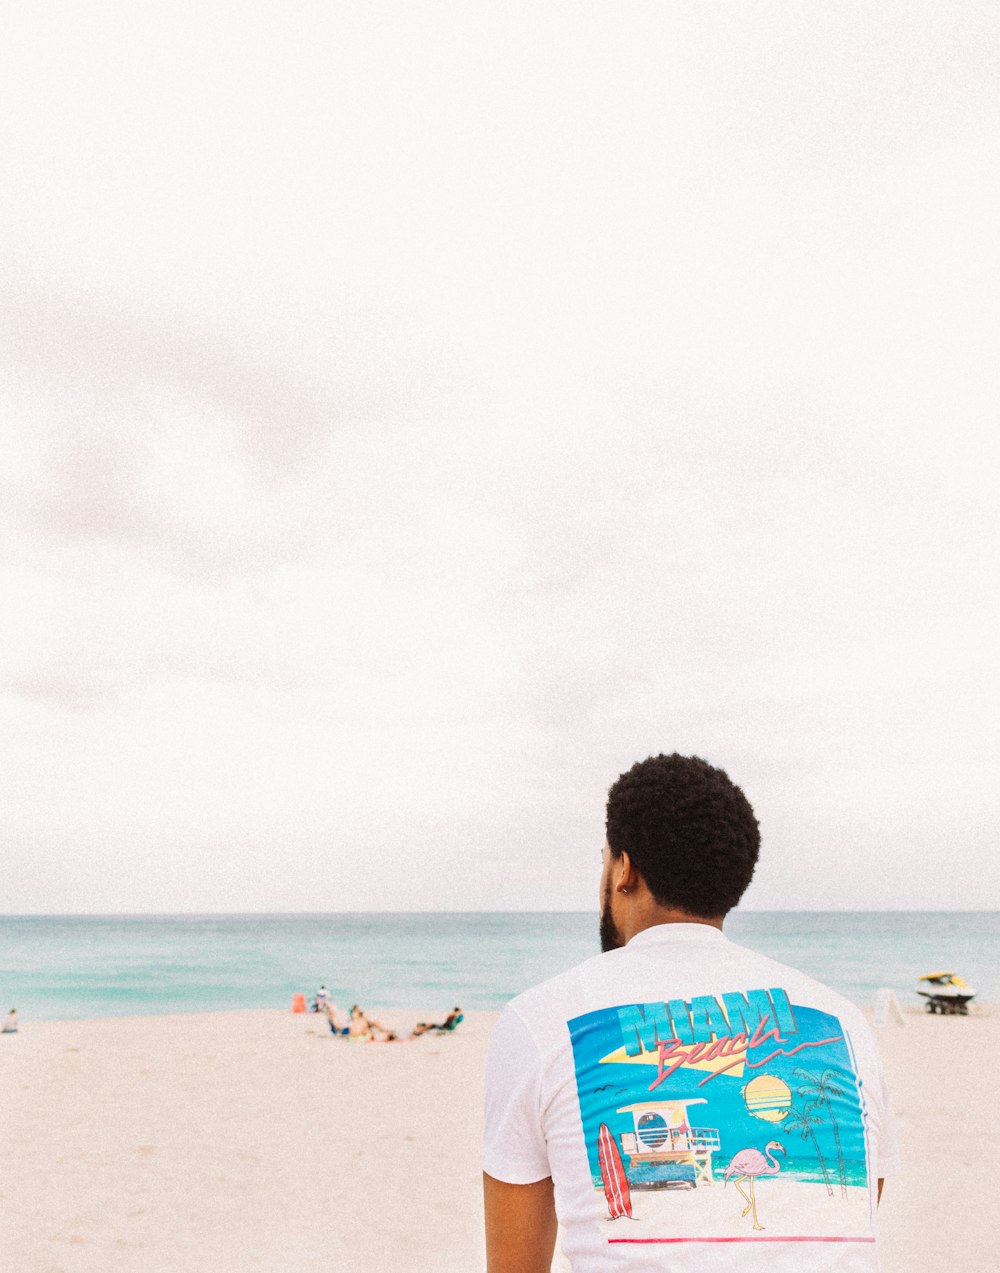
(627, 877)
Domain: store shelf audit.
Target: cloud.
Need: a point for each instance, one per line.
(410, 422)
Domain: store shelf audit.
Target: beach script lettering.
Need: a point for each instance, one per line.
(707, 1029)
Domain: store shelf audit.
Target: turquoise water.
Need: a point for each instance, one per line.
(86, 966)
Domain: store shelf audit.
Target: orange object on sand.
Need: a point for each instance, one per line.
(298, 1003)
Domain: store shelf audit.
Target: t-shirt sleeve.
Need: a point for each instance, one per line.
(514, 1148)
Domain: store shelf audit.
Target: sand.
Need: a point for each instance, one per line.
(229, 1142)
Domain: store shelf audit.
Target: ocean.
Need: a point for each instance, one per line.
(72, 966)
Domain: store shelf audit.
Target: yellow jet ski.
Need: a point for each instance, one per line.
(945, 992)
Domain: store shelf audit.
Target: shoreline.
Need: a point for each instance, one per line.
(985, 1009)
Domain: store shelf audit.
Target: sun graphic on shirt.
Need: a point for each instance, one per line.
(767, 1097)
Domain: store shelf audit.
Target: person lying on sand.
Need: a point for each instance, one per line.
(449, 1023)
(360, 1028)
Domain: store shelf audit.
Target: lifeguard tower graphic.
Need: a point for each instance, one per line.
(664, 1149)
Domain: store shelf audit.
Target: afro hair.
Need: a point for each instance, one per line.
(688, 830)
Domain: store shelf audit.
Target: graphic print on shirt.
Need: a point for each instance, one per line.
(723, 1118)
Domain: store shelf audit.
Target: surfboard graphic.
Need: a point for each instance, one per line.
(613, 1175)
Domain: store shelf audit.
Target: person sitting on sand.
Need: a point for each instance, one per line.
(322, 999)
(449, 1023)
(359, 1031)
(10, 1023)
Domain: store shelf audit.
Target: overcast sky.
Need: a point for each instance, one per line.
(412, 414)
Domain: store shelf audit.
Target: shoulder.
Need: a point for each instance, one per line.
(807, 992)
(545, 1008)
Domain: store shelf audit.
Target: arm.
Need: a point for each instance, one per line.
(520, 1226)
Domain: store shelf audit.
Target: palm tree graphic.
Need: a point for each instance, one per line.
(821, 1092)
(806, 1121)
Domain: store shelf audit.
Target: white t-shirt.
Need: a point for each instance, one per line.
(698, 1107)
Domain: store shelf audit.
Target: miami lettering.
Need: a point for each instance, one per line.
(710, 1030)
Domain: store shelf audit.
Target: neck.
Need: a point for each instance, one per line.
(645, 912)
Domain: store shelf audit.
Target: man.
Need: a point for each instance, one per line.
(680, 1102)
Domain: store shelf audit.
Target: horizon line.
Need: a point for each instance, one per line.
(784, 910)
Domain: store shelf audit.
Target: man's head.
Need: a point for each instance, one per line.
(682, 840)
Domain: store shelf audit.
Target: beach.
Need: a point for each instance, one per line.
(230, 1141)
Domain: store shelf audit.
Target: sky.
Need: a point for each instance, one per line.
(411, 415)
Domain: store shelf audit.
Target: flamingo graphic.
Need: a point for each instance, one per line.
(748, 1164)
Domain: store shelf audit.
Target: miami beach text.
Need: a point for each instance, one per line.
(710, 1033)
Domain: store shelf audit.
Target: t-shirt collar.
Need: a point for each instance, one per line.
(676, 932)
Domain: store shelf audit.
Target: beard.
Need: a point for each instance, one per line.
(611, 938)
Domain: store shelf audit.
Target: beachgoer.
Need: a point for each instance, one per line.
(449, 1023)
(677, 1088)
(322, 999)
(359, 1030)
(9, 1023)
(337, 1026)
